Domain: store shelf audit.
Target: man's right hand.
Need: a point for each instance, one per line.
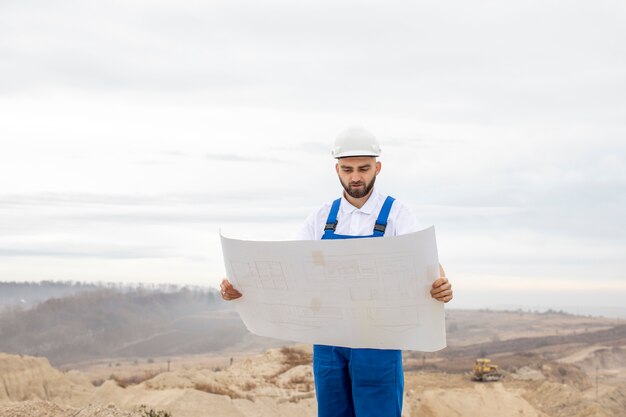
(228, 291)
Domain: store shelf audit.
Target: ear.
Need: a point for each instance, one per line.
(337, 167)
(378, 167)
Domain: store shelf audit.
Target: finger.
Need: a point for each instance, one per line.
(440, 281)
(441, 288)
(227, 290)
(226, 286)
(228, 296)
(442, 294)
(445, 297)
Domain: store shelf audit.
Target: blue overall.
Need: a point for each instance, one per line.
(353, 382)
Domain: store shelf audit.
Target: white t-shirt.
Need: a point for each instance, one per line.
(354, 221)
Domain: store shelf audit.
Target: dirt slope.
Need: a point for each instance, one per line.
(29, 378)
(472, 400)
(279, 383)
(49, 409)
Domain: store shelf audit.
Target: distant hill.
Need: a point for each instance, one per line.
(108, 322)
(28, 294)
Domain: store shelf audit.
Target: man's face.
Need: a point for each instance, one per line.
(357, 174)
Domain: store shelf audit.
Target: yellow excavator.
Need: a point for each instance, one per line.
(485, 371)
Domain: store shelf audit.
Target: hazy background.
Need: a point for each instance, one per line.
(131, 132)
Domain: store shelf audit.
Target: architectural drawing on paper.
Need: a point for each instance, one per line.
(297, 316)
(367, 277)
(268, 275)
(366, 293)
(395, 318)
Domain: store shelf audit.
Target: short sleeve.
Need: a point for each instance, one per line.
(307, 231)
(405, 221)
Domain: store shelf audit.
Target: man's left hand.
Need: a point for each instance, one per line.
(442, 290)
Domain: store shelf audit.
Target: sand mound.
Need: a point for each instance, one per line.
(49, 409)
(179, 402)
(30, 378)
(276, 373)
(274, 383)
(34, 408)
(562, 400)
(479, 400)
(299, 378)
(603, 359)
(105, 411)
(108, 392)
(179, 379)
(279, 383)
(615, 400)
(527, 373)
(568, 374)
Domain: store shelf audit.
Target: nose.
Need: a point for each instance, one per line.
(355, 178)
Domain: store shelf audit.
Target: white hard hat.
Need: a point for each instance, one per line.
(356, 141)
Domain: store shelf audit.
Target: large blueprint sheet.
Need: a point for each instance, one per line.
(366, 293)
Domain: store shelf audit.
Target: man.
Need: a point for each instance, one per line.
(358, 382)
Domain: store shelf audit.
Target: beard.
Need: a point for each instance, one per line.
(359, 192)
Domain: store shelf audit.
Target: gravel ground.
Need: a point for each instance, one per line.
(48, 409)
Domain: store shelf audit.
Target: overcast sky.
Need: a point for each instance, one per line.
(132, 131)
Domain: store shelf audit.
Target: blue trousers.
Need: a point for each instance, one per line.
(358, 382)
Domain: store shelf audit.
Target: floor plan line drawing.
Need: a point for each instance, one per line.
(259, 274)
(353, 292)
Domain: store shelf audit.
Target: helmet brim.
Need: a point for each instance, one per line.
(355, 153)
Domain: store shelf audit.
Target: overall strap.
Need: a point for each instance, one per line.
(331, 222)
(381, 222)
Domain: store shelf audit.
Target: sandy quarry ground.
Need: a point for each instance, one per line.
(101, 370)
(279, 382)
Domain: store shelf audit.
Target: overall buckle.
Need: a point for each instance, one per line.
(380, 227)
